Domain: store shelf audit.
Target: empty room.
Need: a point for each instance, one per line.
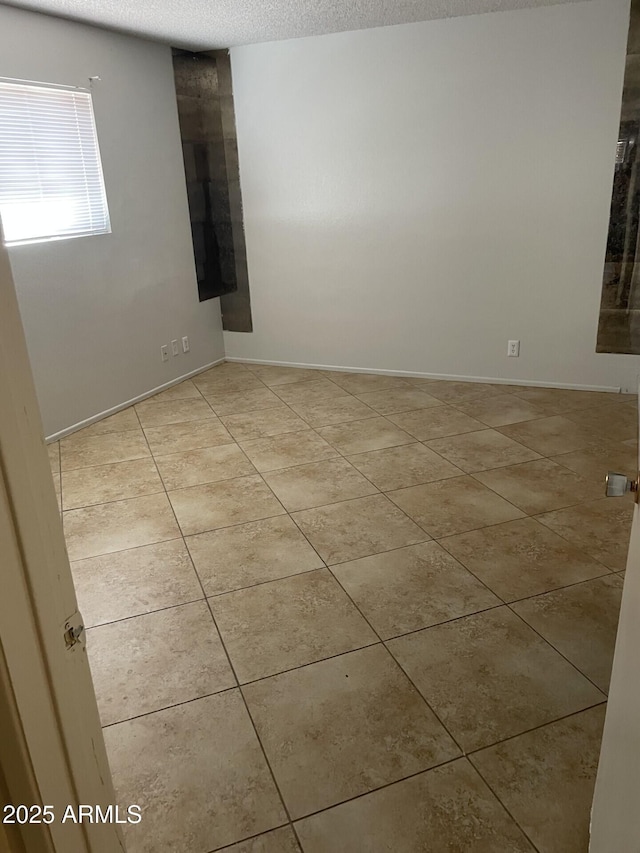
(319, 426)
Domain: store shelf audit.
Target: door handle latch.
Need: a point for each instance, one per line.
(619, 485)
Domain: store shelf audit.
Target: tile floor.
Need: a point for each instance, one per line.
(351, 613)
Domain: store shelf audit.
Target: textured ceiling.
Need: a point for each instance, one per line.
(205, 24)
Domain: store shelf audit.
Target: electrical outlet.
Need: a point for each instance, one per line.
(174, 347)
(185, 344)
(513, 349)
(164, 352)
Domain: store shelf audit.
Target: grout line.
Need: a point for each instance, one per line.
(385, 639)
(508, 605)
(355, 605)
(381, 788)
(561, 719)
(105, 464)
(133, 548)
(156, 491)
(559, 588)
(263, 582)
(252, 838)
(145, 612)
(549, 643)
(397, 663)
(251, 720)
(169, 707)
(504, 807)
(325, 566)
(474, 752)
(233, 670)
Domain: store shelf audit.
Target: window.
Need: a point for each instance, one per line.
(51, 183)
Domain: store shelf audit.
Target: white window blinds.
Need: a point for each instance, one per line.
(51, 183)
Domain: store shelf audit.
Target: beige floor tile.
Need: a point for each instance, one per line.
(149, 662)
(309, 391)
(198, 773)
(357, 723)
(288, 623)
(412, 588)
(246, 426)
(249, 554)
(423, 382)
(549, 436)
(120, 422)
(589, 399)
(213, 382)
(401, 399)
(596, 461)
(53, 450)
(130, 583)
(182, 391)
(104, 483)
(365, 435)
(522, 558)
(481, 451)
(358, 528)
(178, 438)
(499, 410)
(561, 400)
(581, 623)
(153, 413)
(615, 421)
(600, 529)
(106, 528)
(400, 467)
(274, 375)
(426, 424)
(550, 400)
(361, 383)
(280, 840)
(229, 373)
(284, 451)
(453, 506)
(91, 450)
(489, 676)
(624, 397)
(213, 505)
(457, 392)
(539, 486)
(239, 402)
(224, 370)
(546, 779)
(318, 483)
(337, 410)
(506, 388)
(207, 465)
(446, 810)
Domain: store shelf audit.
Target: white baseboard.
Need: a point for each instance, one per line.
(94, 418)
(339, 368)
(494, 380)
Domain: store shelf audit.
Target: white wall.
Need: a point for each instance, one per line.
(417, 195)
(96, 310)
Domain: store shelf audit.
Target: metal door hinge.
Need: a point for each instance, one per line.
(73, 630)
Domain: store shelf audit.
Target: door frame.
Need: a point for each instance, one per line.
(55, 753)
(615, 813)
